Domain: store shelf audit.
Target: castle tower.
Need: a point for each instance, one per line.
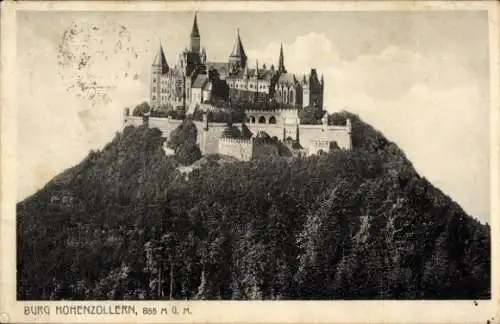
(245, 72)
(306, 92)
(257, 80)
(281, 64)
(322, 82)
(238, 58)
(158, 68)
(203, 56)
(195, 36)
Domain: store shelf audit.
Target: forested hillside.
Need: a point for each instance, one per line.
(360, 224)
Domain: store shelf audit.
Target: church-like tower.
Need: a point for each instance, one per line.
(159, 67)
(238, 58)
(281, 64)
(195, 36)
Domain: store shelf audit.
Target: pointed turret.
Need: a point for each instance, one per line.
(203, 55)
(245, 71)
(281, 64)
(195, 31)
(160, 62)
(195, 36)
(158, 68)
(238, 55)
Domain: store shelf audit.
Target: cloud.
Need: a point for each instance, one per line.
(312, 47)
(434, 108)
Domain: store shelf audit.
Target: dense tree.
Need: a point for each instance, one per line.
(183, 141)
(186, 132)
(187, 153)
(310, 115)
(358, 224)
(232, 132)
(140, 109)
(166, 111)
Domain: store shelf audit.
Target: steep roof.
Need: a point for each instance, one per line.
(200, 81)
(238, 50)
(160, 59)
(287, 78)
(281, 64)
(266, 74)
(195, 32)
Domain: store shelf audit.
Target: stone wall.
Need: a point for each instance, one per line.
(271, 129)
(165, 125)
(308, 134)
(208, 137)
(311, 137)
(132, 121)
(242, 149)
(279, 116)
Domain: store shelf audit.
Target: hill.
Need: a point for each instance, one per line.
(125, 223)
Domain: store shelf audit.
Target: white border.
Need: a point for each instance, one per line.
(232, 311)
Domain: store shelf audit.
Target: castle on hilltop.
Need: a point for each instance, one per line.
(194, 80)
(197, 85)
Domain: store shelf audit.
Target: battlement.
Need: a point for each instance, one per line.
(313, 138)
(236, 140)
(240, 148)
(272, 111)
(320, 142)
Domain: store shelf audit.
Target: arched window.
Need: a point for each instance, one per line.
(292, 99)
(272, 120)
(262, 120)
(252, 119)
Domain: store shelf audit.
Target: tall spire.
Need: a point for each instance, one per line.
(245, 72)
(281, 64)
(238, 54)
(195, 36)
(195, 32)
(160, 61)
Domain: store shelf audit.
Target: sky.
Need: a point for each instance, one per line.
(421, 78)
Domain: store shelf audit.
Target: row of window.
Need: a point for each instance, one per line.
(161, 97)
(251, 85)
(262, 120)
(163, 82)
(286, 98)
(167, 90)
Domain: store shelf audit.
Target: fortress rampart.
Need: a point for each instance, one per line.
(313, 138)
(242, 149)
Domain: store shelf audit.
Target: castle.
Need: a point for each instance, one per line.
(195, 83)
(194, 80)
